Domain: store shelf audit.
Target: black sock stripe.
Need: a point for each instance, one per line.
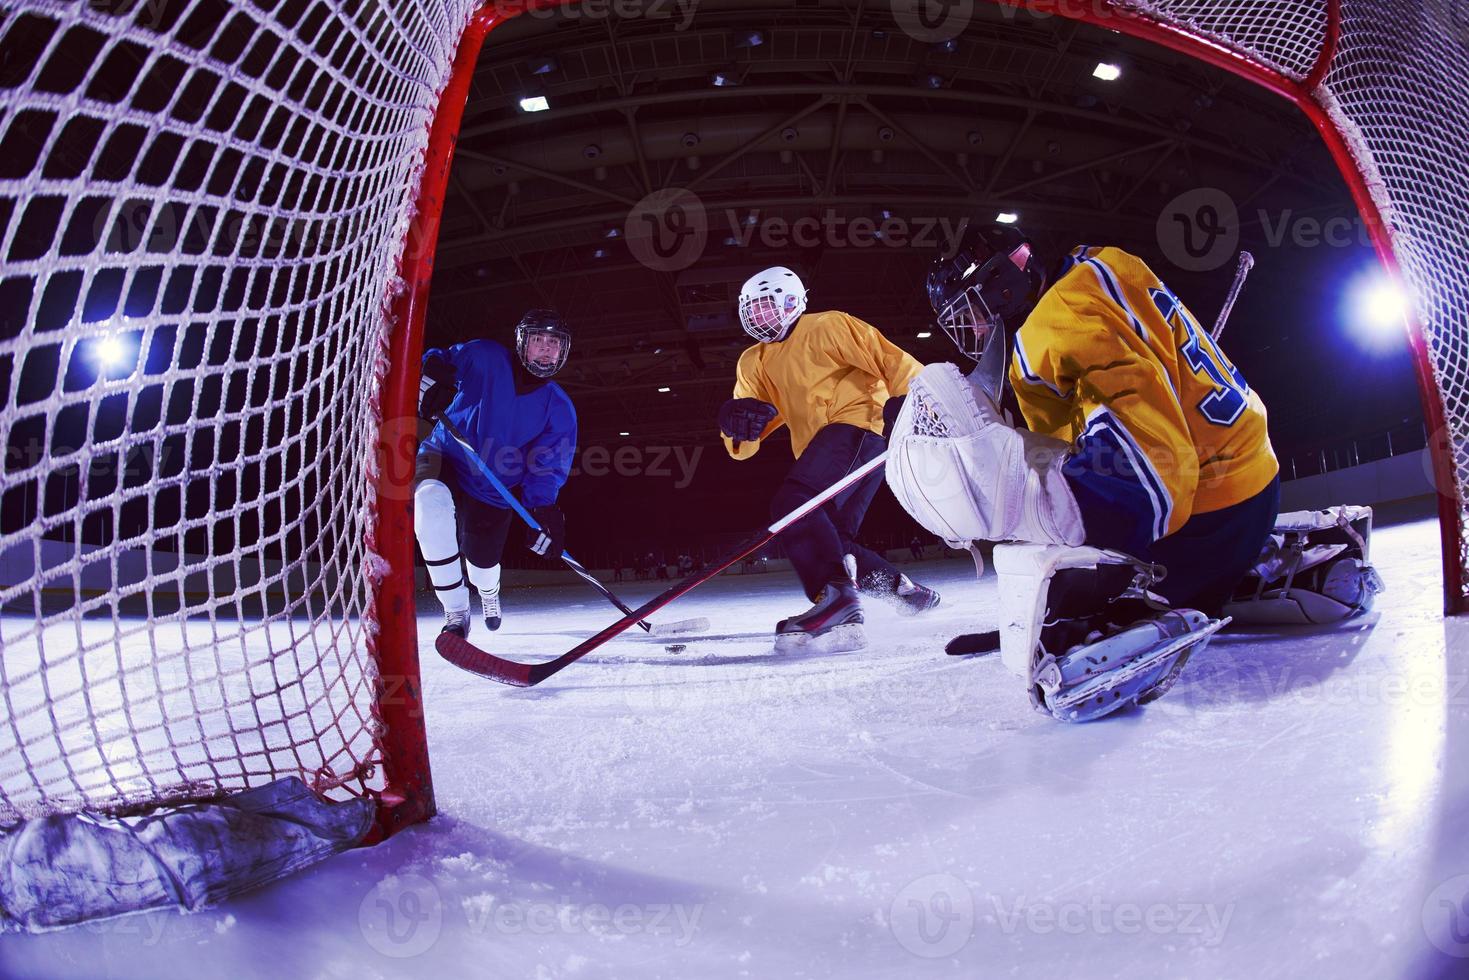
(440, 564)
(449, 588)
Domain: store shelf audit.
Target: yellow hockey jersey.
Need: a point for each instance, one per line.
(830, 368)
(1163, 425)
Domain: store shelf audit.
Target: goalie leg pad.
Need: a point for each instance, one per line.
(1315, 570)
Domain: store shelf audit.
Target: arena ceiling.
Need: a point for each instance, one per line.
(830, 110)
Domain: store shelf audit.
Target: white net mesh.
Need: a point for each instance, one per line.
(203, 205)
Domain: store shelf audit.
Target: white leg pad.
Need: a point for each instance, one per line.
(1025, 572)
(436, 527)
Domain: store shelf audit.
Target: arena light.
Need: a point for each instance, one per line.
(535, 103)
(624, 434)
(1377, 310)
(1107, 71)
(664, 391)
(925, 334)
(110, 351)
(1007, 217)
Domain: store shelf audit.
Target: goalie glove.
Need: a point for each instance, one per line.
(437, 386)
(550, 540)
(964, 473)
(745, 419)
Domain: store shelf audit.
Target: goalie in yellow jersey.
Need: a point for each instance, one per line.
(828, 377)
(1145, 483)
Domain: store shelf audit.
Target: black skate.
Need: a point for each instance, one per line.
(456, 621)
(491, 603)
(914, 598)
(833, 625)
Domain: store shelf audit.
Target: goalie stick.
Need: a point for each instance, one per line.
(1246, 263)
(683, 626)
(463, 654)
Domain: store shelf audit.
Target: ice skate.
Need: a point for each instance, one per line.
(456, 621)
(491, 603)
(914, 598)
(833, 625)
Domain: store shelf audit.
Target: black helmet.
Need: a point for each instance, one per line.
(994, 278)
(542, 323)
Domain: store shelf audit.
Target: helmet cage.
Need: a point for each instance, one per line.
(542, 323)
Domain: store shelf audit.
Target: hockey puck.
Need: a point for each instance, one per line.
(676, 647)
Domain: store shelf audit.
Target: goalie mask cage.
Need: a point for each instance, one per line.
(219, 219)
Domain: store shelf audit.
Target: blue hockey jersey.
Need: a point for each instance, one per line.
(528, 440)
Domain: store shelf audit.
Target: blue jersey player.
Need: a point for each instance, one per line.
(523, 426)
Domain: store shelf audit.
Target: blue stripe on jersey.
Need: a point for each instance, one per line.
(1029, 375)
(1114, 290)
(1071, 261)
(1124, 503)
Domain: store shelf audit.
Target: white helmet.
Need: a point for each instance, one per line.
(771, 303)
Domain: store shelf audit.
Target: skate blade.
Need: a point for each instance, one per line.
(838, 639)
(1174, 654)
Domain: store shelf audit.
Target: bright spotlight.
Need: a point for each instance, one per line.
(535, 103)
(1007, 217)
(110, 351)
(1377, 309)
(1107, 72)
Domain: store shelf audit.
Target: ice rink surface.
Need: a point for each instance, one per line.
(1292, 809)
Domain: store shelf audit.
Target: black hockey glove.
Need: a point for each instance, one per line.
(890, 410)
(550, 540)
(437, 387)
(743, 419)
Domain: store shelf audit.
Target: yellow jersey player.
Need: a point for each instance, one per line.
(827, 376)
(1143, 442)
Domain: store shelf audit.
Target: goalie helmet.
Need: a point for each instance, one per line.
(771, 303)
(543, 342)
(984, 290)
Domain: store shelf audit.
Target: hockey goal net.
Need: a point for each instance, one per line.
(218, 221)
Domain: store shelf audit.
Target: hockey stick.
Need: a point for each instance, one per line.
(1246, 263)
(461, 653)
(685, 626)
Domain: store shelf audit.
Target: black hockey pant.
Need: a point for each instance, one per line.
(816, 544)
(1212, 553)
